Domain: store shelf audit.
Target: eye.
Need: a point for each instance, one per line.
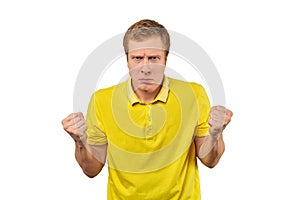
(137, 58)
(153, 58)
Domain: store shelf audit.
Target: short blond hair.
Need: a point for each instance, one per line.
(145, 29)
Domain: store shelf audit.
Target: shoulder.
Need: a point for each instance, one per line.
(176, 83)
(108, 92)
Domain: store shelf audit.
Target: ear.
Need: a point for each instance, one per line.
(126, 56)
(166, 56)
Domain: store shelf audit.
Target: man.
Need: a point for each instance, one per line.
(150, 128)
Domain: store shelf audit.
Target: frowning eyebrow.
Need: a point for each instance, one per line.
(148, 56)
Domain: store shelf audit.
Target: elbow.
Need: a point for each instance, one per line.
(92, 172)
(210, 164)
(90, 175)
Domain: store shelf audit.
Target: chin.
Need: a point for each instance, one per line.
(148, 87)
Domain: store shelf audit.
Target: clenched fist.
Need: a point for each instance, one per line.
(219, 118)
(75, 125)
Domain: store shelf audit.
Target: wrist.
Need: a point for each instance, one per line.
(81, 139)
(215, 132)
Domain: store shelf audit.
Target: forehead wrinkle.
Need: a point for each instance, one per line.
(151, 43)
(146, 49)
(148, 52)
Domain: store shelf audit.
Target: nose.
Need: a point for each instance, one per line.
(145, 69)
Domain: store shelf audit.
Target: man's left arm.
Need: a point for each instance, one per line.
(210, 148)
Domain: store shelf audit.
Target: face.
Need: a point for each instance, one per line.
(146, 64)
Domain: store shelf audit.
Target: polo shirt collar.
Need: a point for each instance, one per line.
(162, 95)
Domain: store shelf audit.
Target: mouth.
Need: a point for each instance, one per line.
(146, 80)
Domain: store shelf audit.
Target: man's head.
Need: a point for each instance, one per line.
(146, 44)
(145, 29)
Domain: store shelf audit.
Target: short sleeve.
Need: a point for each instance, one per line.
(203, 109)
(94, 121)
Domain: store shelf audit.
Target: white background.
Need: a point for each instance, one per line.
(254, 44)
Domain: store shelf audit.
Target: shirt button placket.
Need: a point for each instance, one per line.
(149, 127)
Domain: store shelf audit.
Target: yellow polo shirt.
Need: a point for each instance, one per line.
(150, 146)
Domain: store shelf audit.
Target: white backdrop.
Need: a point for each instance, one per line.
(254, 45)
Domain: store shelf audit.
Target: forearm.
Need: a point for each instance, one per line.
(90, 158)
(211, 149)
(90, 165)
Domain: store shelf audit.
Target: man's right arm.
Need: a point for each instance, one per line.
(91, 159)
